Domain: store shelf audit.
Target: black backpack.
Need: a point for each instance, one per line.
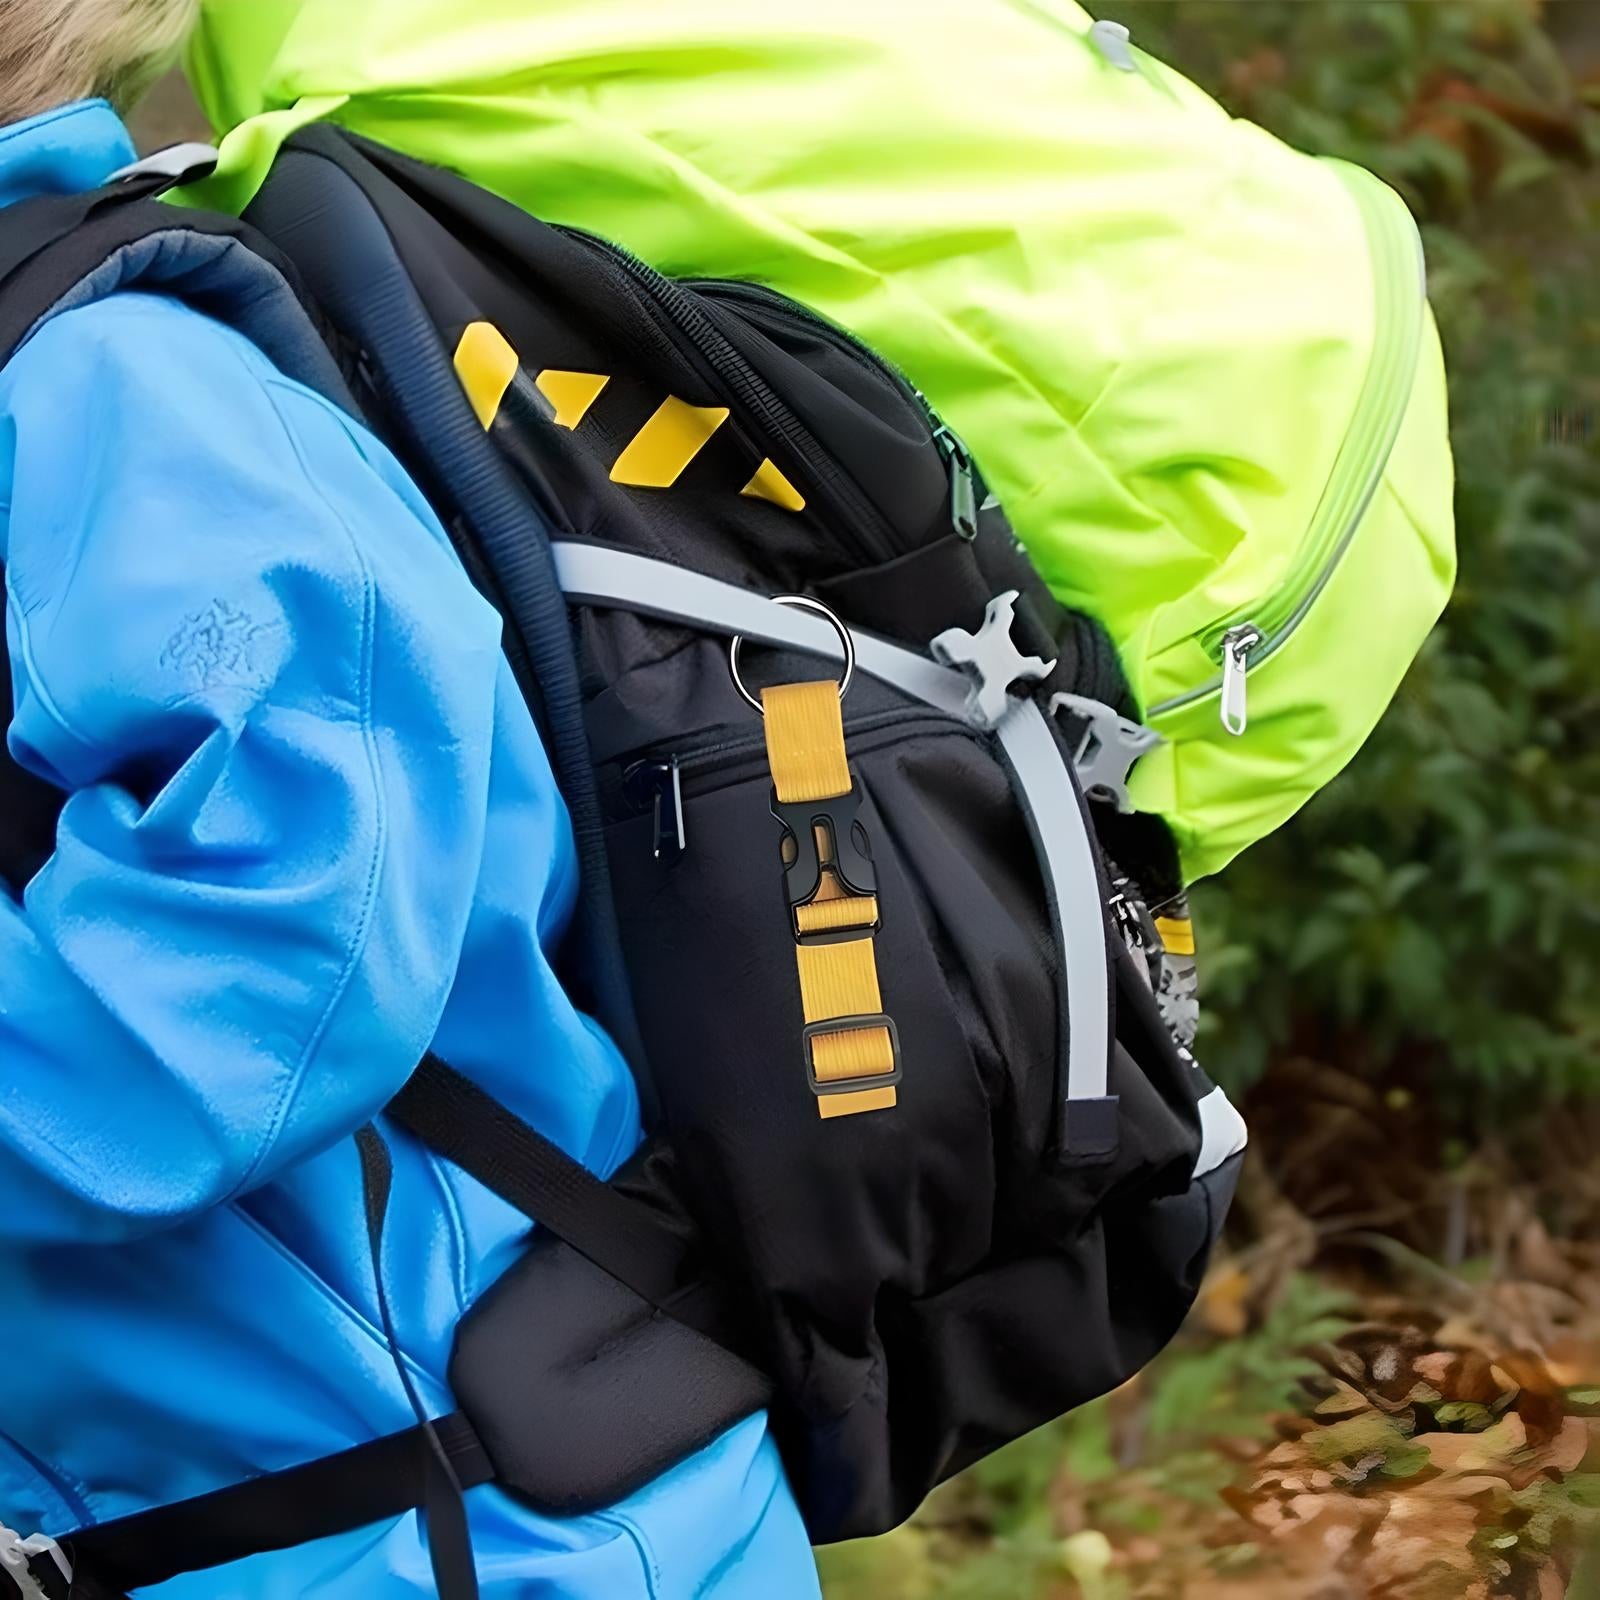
(914, 1229)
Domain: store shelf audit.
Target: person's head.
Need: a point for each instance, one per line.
(56, 51)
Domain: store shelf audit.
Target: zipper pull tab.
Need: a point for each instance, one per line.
(657, 787)
(963, 490)
(1237, 643)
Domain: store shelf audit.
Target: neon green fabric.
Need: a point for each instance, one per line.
(1180, 350)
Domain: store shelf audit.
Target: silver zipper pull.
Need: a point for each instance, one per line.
(1237, 643)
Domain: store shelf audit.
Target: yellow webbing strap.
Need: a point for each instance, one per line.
(805, 746)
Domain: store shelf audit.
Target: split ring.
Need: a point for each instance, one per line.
(803, 602)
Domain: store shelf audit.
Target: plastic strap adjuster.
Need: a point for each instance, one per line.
(878, 1080)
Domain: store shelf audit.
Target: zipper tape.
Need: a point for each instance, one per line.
(697, 761)
(1400, 294)
(756, 399)
(957, 458)
(601, 576)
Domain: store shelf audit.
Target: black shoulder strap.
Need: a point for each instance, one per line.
(28, 805)
(345, 222)
(54, 243)
(30, 227)
(50, 244)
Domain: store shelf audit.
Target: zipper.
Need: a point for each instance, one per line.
(1242, 641)
(850, 509)
(697, 763)
(957, 458)
(661, 777)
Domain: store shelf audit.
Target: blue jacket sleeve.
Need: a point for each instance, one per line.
(243, 645)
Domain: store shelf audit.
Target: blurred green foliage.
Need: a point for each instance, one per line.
(1434, 916)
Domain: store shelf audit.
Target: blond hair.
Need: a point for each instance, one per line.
(56, 51)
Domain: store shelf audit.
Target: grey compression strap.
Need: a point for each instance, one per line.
(596, 575)
(605, 577)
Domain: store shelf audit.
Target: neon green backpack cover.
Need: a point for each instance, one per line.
(1197, 366)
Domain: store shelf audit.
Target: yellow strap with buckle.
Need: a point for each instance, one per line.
(834, 929)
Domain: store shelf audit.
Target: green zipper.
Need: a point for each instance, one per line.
(1242, 641)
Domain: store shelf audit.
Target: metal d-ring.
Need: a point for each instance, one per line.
(803, 602)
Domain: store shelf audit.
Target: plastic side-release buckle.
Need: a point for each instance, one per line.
(1107, 749)
(990, 657)
(848, 858)
(34, 1568)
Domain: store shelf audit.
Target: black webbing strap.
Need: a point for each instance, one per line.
(51, 1580)
(459, 1121)
(29, 807)
(455, 1574)
(373, 1482)
(428, 1468)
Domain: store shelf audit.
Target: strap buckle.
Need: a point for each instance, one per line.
(991, 659)
(1109, 747)
(878, 1080)
(849, 859)
(36, 1567)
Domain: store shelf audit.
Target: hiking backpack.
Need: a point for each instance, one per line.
(925, 1166)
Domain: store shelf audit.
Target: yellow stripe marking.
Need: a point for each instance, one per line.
(667, 443)
(770, 484)
(1177, 934)
(486, 364)
(570, 393)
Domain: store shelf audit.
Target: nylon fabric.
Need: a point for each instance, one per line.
(1053, 808)
(834, 909)
(805, 741)
(804, 731)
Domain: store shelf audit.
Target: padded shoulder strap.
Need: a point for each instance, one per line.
(57, 252)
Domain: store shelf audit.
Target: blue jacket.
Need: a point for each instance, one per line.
(311, 832)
